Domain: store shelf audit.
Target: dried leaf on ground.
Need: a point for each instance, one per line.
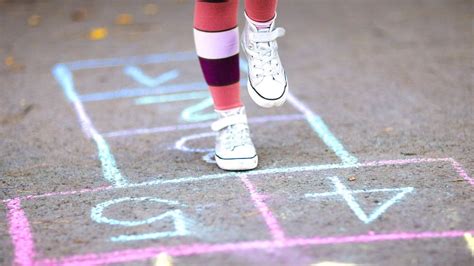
(96, 34)
(79, 14)
(12, 65)
(150, 9)
(34, 20)
(124, 19)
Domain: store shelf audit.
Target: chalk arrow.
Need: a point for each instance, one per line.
(348, 196)
(138, 75)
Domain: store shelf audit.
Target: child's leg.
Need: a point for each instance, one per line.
(267, 83)
(217, 45)
(260, 10)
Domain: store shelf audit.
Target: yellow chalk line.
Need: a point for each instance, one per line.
(470, 242)
(163, 259)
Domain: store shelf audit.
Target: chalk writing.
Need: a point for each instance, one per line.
(347, 195)
(97, 214)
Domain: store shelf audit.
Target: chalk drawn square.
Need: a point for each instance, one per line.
(127, 218)
(379, 199)
(148, 157)
(108, 89)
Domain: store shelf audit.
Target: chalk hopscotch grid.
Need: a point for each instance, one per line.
(19, 226)
(63, 73)
(25, 253)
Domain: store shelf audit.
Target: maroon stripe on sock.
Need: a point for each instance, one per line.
(221, 72)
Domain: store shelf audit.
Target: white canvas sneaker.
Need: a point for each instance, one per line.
(234, 148)
(267, 83)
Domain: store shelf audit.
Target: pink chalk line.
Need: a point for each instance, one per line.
(19, 229)
(252, 120)
(461, 172)
(62, 193)
(197, 249)
(65, 193)
(258, 200)
(457, 167)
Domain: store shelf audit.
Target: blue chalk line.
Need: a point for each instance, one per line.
(193, 113)
(97, 215)
(108, 164)
(172, 97)
(137, 74)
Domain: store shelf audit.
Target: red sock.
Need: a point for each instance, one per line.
(261, 10)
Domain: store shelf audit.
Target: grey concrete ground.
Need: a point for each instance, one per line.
(392, 81)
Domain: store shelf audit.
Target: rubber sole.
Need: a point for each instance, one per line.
(237, 164)
(266, 103)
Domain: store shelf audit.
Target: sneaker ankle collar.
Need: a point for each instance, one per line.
(228, 121)
(267, 36)
(256, 24)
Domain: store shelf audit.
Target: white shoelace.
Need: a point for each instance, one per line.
(233, 131)
(265, 54)
(235, 136)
